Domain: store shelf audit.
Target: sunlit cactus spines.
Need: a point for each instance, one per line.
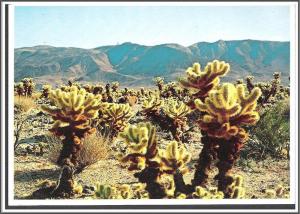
(177, 112)
(141, 142)
(152, 105)
(142, 154)
(174, 158)
(202, 81)
(203, 193)
(226, 110)
(115, 116)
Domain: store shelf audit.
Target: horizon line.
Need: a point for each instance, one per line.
(220, 40)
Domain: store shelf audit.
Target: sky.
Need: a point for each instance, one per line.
(94, 26)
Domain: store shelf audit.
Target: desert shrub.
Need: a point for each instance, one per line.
(95, 148)
(22, 107)
(23, 104)
(271, 136)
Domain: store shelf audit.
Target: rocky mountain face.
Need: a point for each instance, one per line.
(136, 65)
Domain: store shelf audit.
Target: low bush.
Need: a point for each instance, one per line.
(271, 136)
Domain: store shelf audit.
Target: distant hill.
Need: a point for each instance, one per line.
(136, 65)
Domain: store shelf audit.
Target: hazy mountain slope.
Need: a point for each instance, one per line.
(134, 64)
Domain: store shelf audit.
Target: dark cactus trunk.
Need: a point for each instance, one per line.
(149, 176)
(68, 160)
(228, 153)
(203, 166)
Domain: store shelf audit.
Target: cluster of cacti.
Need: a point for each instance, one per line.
(120, 191)
(199, 82)
(72, 112)
(153, 164)
(170, 115)
(25, 87)
(224, 110)
(272, 91)
(211, 193)
(152, 105)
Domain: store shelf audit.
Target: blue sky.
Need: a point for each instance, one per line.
(93, 26)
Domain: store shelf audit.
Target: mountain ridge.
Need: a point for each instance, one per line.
(134, 65)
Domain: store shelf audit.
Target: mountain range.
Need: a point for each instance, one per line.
(136, 65)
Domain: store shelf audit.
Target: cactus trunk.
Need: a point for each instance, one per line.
(228, 153)
(149, 176)
(207, 155)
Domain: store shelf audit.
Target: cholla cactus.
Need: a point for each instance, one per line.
(46, 90)
(88, 88)
(201, 82)
(174, 158)
(115, 86)
(159, 81)
(19, 89)
(28, 85)
(115, 116)
(151, 105)
(142, 154)
(98, 89)
(236, 189)
(177, 112)
(105, 191)
(226, 110)
(212, 193)
(72, 112)
(249, 83)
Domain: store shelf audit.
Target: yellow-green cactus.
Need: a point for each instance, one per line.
(141, 145)
(105, 191)
(203, 193)
(236, 189)
(176, 110)
(174, 158)
(201, 82)
(152, 104)
(227, 109)
(116, 116)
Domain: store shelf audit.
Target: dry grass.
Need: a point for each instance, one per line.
(24, 104)
(95, 148)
